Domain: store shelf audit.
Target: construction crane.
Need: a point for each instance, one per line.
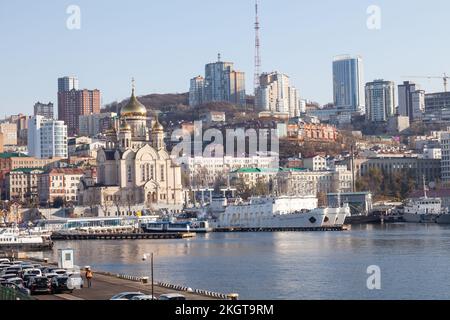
(444, 77)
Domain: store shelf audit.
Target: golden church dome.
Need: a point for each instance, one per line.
(134, 108)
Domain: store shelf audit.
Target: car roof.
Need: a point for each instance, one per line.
(127, 293)
(172, 295)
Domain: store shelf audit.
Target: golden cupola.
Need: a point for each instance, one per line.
(134, 108)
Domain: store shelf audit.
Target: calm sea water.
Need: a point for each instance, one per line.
(414, 262)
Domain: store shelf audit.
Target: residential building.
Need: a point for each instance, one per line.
(62, 183)
(214, 117)
(22, 184)
(47, 138)
(380, 100)
(13, 161)
(84, 147)
(92, 125)
(68, 84)
(411, 101)
(1, 143)
(73, 103)
(135, 168)
(348, 83)
(398, 124)
(303, 131)
(445, 155)
(44, 110)
(276, 94)
(9, 131)
(317, 163)
(221, 84)
(196, 91)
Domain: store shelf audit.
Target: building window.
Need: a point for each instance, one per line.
(162, 173)
(130, 178)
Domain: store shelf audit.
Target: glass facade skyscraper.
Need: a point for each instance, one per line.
(348, 83)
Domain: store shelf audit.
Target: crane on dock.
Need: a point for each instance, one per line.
(444, 77)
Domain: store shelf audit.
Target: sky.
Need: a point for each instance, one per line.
(162, 44)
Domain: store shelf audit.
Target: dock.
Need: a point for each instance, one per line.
(121, 236)
(287, 229)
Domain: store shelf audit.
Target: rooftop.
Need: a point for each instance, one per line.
(7, 155)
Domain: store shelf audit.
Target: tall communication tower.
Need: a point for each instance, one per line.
(257, 49)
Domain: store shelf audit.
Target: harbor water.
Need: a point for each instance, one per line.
(414, 261)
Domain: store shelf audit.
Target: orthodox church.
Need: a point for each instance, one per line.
(135, 170)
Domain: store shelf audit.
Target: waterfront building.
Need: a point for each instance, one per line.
(135, 168)
(44, 110)
(9, 131)
(348, 83)
(221, 84)
(196, 91)
(60, 183)
(276, 94)
(92, 125)
(204, 171)
(380, 100)
(361, 203)
(73, 103)
(22, 184)
(47, 138)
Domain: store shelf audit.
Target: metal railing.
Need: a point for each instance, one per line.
(11, 294)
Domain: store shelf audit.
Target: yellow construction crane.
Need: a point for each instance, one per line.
(444, 77)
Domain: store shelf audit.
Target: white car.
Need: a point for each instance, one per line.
(144, 297)
(172, 296)
(4, 260)
(126, 295)
(75, 281)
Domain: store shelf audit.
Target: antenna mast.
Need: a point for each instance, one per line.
(257, 49)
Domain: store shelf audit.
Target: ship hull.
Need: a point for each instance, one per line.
(44, 246)
(443, 219)
(419, 218)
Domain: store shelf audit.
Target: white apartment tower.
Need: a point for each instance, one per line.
(277, 95)
(47, 138)
(380, 100)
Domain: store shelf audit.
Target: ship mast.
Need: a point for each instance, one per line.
(424, 188)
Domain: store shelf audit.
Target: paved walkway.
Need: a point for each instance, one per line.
(104, 287)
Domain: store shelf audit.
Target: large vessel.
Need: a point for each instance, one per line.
(176, 226)
(282, 213)
(423, 209)
(15, 239)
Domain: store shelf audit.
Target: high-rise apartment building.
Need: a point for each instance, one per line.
(348, 83)
(94, 124)
(196, 91)
(67, 84)
(45, 110)
(277, 95)
(411, 101)
(74, 103)
(47, 138)
(380, 100)
(221, 84)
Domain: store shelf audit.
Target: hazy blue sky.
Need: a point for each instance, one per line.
(165, 43)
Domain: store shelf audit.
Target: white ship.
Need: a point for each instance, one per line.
(423, 210)
(13, 238)
(282, 213)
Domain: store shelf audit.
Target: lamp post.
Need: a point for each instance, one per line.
(144, 258)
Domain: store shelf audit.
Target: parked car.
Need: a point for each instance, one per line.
(126, 295)
(8, 276)
(27, 274)
(76, 280)
(144, 297)
(16, 270)
(19, 288)
(17, 280)
(172, 296)
(60, 284)
(40, 285)
(3, 260)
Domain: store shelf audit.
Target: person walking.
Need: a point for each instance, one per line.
(89, 276)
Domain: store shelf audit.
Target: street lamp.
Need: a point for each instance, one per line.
(144, 258)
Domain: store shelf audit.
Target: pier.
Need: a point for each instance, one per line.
(287, 229)
(121, 236)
